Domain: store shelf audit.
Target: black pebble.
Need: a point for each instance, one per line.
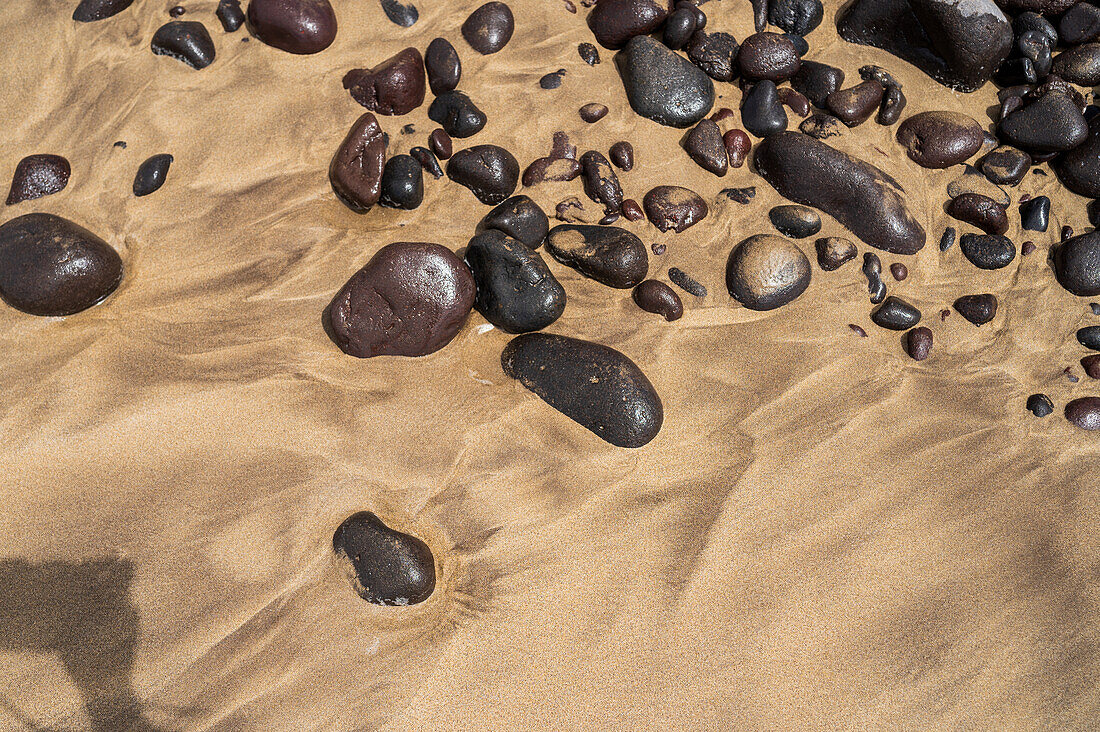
(948, 239)
(872, 270)
(443, 66)
(456, 114)
(427, 161)
(388, 567)
(185, 40)
(552, 80)
(1089, 337)
(1079, 24)
(589, 53)
(520, 218)
(1035, 214)
(762, 114)
(987, 251)
(489, 171)
(1005, 165)
(895, 314)
(678, 28)
(1030, 21)
(893, 104)
(177, 11)
(402, 15)
(686, 283)
(91, 10)
(1095, 306)
(120, 144)
(515, 289)
(151, 174)
(797, 222)
(230, 14)
(796, 16)
(740, 195)
(402, 183)
(978, 309)
(816, 81)
(1040, 405)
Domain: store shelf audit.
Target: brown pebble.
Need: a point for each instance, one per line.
(593, 112)
(706, 146)
(1084, 412)
(655, 296)
(833, 252)
(622, 155)
(768, 56)
(551, 169)
(394, 87)
(855, 104)
(561, 147)
(944, 314)
(632, 210)
(980, 211)
(795, 101)
(1027, 248)
(737, 144)
(37, 176)
(899, 271)
(1067, 232)
(600, 182)
(723, 113)
(441, 144)
(570, 209)
(356, 168)
(1091, 364)
(940, 139)
(820, 126)
(857, 330)
(918, 343)
(658, 249)
(674, 207)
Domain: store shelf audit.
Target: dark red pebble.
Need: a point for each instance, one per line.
(655, 296)
(918, 343)
(899, 271)
(737, 144)
(441, 144)
(1067, 232)
(1068, 371)
(609, 219)
(1084, 412)
(177, 11)
(593, 112)
(427, 161)
(1027, 248)
(723, 113)
(795, 101)
(571, 8)
(1091, 365)
(560, 147)
(39, 175)
(857, 330)
(622, 155)
(980, 211)
(944, 314)
(632, 210)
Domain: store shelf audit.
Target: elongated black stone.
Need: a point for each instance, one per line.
(152, 174)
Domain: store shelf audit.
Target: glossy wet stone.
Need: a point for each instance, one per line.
(1005, 165)
(589, 53)
(402, 183)
(1084, 412)
(395, 86)
(674, 208)
(1091, 365)
(295, 26)
(610, 255)
(592, 384)
(893, 104)
(185, 40)
(600, 182)
(52, 266)
(37, 176)
(1079, 169)
(386, 566)
(427, 160)
(715, 54)
(978, 309)
(457, 114)
(489, 28)
(765, 272)
(858, 195)
(704, 145)
(794, 101)
(833, 252)
(856, 104)
(91, 10)
(615, 22)
(441, 144)
(1040, 405)
(1035, 214)
(655, 296)
(551, 169)
(490, 171)
(987, 251)
(356, 169)
(1079, 65)
(947, 239)
(817, 81)
(1077, 264)
(895, 314)
(444, 69)
(796, 16)
(739, 195)
(520, 218)
(979, 211)
(940, 139)
(918, 343)
(795, 221)
(622, 155)
(1052, 123)
(152, 174)
(899, 271)
(1089, 337)
(516, 291)
(737, 145)
(593, 112)
(768, 56)
(663, 86)
(410, 299)
(872, 270)
(230, 15)
(762, 113)
(678, 28)
(959, 45)
(820, 126)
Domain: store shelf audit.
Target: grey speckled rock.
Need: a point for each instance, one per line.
(662, 85)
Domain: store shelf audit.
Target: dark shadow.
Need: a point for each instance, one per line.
(82, 613)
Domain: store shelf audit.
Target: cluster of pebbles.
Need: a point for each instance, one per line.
(413, 298)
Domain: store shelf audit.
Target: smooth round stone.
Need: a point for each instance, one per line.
(551, 80)
(762, 113)
(612, 256)
(601, 184)
(899, 271)
(1040, 405)
(765, 272)
(1089, 337)
(820, 126)
(918, 343)
(37, 176)
(678, 28)
(768, 56)
(1084, 412)
(489, 28)
(402, 183)
(152, 174)
(520, 218)
(940, 139)
(51, 266)
(594, 385)
(516, 291)
(872, 270)
(800, 44)
(443, 67)
(295, 26)
(1035, 214)
(185, 40)
(674, 208)
(1079, 169)
(92, 10)
(971, 181)
(356, 169)
(1091, 365)
(797, 222)
(593, 112)
(615, 22)
(978, 309)
(1079, 65)
(410, 299)
(386, 566)
(230, 15)
(715, 54)
(1034, 21)
(622, 155)
(1077, 264)
(856, 104)
(663, 86)
(705, 146)
(947, 239)
(833, 252)
(737, 144)
(456, 114)
(1005, 165)
(441, 144)
(817, 81)
(1080, 23)
(395, 86)
(490, 171)
(895, 314)
(794, 101)
(589, 53)
(979, 211)
(655, 296)
(1052, 123)
(404, 15)
(987, 251)
(796, 16)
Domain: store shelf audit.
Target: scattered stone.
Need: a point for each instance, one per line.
(395, 86)
(1089, 337)
(1040, 405)
(794, 101)
(551, 169)
(856, 104)
(427, 160)
(655, 296)
(678, 28)
(765, 272)
(1079, 64)
(230, 14)
(589, 53)
(1084, 413)
(185, 40)
(1079, 24)
(673, 207)
(1077, 264)
(1005, 165)
(899, 271)
(987, 251)
(940, 139)
(893, 104)
(796, 16)
(857, 330)
(714, 53)
(552, 80)
(593, 112)
(91, 10)
(1052, 123)
(1079, 169)
(918, 343)
(632, 210)
(739, 195)
(817, 81)
(820, 126)
(686, 283)
(980, 211)
(152, 174)
(895, 314)
(660, 84)
(400, 14)
(948, 239)
(516, 291)
(600, 182)
(520, 218)
(356, 168)
(37, 176)
(441, 144)
(833, 252)
(1067, 233)
(489, 28)
(704, 144)
(608, 254)
(768, 56)
(402, 183)
(387, 567)
(737, 145)
(295, 26)
(490, 171)
(615, 22)
(872, 270)
(978, 309)
(622, 155)
(1035, 214)
(761, 111)
(443, 66)
(1091, 365)
(456, 114)
(797, 222)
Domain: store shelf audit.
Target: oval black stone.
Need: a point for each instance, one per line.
(594, 385)
(402, 183)
(443, 66)
(456, 114)
(399, 13)
(1077, 264)
(1079, 24)
(987, 251)
(489, 28)
(796, 16)
(490, 171)
(230, 14)
(151, 174)
(388, 567)
(607, 254)
(678, 28)
(515, 289)
(1089, 337)
(978, 309)
(762, 113)
(895, 314)
(520, 218)
(1035, 214)
(947, 239)
(795, 221)
(817, 81)
(91, 10)
(1052, 123)
(1040, 405)
(185, 40)
(663, 86)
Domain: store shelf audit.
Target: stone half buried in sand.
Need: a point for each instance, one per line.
(592, 384)
(765, 272)
(857, 194)
(410, 299)
(958, 43)
(386, 566)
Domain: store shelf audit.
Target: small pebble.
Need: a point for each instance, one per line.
(489, 171)
(1035, 214)
(740, 195)
(797, 222)
(979, 211)
(37, 176)
(177, 11)
(855, 105)
(1067, 232)
(520, 218)
(737, 146)
(632, 210)
(899, 271)
(589, 53)
(833, 252)
(1068, 373)
(622, 155)
(918, 343)
(456, 114)
(1005, 165)
(1027, 248)
(441, 144)
(1084, 412)
(388, 567)
(593, 112)
(120, 144)
(185, 40)
(895, 314)
(395, 86)
(769, 56)
(427, 161)
(987, 251)
(872, 270)
(600, 182)
(1089, 337)
(1040, 405)
(762, 113)
(400, 14)
(489, 28)
(674, 207)
(765, 272)
(978, 309)
(294, 27)
(705, 145)
(655, 296)
(948, 239)
(443, 66)
(1091, 365)
(686, 283)
(230, 14)
(152, 174)
(658, 249)
(1095, 306)
(552, 80)
(858, 330)
(940, 139)
(820, 126)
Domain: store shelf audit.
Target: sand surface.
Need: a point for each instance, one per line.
(825, 534)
